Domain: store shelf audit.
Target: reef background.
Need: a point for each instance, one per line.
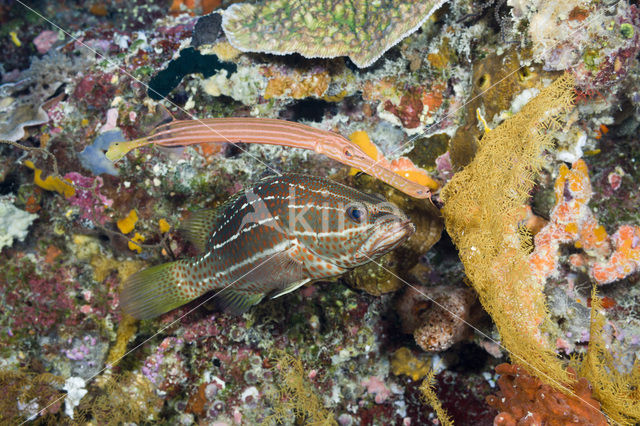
(355, 350)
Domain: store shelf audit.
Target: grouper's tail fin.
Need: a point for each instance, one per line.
(156, 290)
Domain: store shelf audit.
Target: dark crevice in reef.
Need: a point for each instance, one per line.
(309, 109)
(190, 61)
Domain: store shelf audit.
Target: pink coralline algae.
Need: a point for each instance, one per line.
(377, 387)
(438, 316)
(45, 40)
(88, 197)
(39, 302)
(572, 221)
(166, 367)
(444, 166)
(94, 89)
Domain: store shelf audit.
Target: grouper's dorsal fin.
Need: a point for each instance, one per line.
(197, 228)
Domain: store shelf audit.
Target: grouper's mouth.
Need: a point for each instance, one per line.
(392, 234)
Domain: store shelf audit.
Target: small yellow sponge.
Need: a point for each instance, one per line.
(127, 224)
(404, 362)
(164, 226)
(137, 238)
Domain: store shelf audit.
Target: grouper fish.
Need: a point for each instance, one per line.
(270, 239)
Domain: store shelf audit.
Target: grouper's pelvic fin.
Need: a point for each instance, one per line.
(156, 290)
(236, 302)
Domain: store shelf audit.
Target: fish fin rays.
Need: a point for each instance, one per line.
(197, 228)
(291, 287)
(280, 270)
(152, 292)
(236, 302)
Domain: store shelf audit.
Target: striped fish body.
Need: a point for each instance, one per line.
(270, 239)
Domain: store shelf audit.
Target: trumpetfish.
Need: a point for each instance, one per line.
(270, 239)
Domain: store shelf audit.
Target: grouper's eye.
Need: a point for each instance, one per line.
(355, 214)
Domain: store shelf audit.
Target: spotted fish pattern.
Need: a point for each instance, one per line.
(272, 238)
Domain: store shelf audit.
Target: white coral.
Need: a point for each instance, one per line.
(75, 392)
(14, 223)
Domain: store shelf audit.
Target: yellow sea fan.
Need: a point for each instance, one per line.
(482, 204)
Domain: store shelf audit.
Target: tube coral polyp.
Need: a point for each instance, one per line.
(573, 222)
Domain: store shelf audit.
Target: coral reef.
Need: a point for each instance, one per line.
(362, 30)
(433, 112)
(296, 395)
(25, 394)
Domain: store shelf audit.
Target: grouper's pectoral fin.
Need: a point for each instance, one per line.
(280, 272)
(291, 287)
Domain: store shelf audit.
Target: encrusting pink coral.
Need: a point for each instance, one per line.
(88, 198)
(572, 221)
(625, 259)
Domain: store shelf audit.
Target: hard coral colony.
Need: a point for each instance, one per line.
(160, 176)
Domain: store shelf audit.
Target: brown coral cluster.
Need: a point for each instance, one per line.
(438, 317)
(297, 85)
(524, 400)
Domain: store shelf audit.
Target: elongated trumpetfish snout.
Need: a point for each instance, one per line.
(250, 247)
(272, 132)
(117, 150)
